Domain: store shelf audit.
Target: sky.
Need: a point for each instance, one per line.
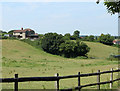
(60, 17)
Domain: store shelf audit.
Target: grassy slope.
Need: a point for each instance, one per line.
(100, 50)
(19, 57)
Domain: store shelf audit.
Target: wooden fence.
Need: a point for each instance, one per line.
(57, 78)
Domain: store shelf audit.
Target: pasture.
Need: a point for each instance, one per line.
(27, 61)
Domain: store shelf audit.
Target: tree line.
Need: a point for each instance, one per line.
(61, 45)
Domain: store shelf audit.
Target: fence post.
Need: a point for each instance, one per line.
(79, 80)
(16, 83)
(98, 80)
(57, 82)
(111, 78)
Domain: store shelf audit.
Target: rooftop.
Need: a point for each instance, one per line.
(19, 31)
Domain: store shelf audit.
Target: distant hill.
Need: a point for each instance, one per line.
(100, 50)
(15, 49)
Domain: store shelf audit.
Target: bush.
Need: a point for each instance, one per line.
(4, 37)
(73, 49)
(106, 39)
(91, 38)
(51, 43)
(56, 44)
(67, 36)
(67, 49)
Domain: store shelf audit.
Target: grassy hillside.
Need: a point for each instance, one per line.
(99, 50)
(19, 57)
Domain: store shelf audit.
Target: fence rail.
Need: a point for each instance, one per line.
(57, 78)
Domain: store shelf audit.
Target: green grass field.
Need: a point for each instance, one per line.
(27, 61)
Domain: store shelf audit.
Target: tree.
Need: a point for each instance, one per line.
(51, 42)
(106, 39)
(11, 32)
(85, 38)
(1, 31)
(67, 36)
(40, 36)
(55, 44)
(67, 49)
(75, 35)
(91, 38)
(73, 49)
(112, 6)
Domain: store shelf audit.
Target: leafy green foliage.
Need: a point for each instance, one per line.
(113, 7)
(73, 49)
(67, 36)
(75, 35)
(10, 32)
(106, 39)
(51, 42)
(86, 38)
(41, 36)
(91, 38)
(1, 31)
(67, 49)
(4, 37)
(57, 44)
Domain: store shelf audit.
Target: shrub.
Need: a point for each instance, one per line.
(4, 37)
(91, 38)
(106, 39)
(67, 36)
(56, 44)
(51, 42)
(67, 49)
(73, 49)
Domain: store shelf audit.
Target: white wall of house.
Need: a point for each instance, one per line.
(23, 35)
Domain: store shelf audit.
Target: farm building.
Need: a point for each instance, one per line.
(25, 34)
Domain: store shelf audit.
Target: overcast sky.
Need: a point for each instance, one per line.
(61, 17)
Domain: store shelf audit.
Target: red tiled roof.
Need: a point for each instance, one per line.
(17, 31)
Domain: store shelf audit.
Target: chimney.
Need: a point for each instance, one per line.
(22, 28)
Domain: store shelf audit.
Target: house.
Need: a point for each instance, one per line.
(25, 34)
